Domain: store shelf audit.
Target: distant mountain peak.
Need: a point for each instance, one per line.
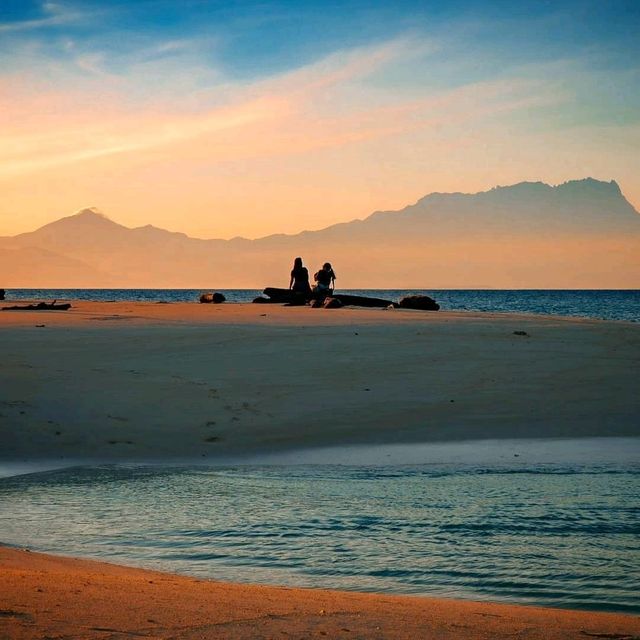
(90, 212)
(87, 216)
(90, 222)
(591, 184)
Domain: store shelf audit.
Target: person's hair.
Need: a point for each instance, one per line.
(326, 265)
(297, 263)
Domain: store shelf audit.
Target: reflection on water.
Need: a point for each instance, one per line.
(551, 535)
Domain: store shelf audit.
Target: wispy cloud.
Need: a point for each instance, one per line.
(293, 113)
(53, 15)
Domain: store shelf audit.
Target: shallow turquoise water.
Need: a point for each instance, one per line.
(546, 534)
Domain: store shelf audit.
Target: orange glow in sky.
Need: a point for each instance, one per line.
(168, 139)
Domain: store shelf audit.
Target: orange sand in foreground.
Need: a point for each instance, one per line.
(48, 596)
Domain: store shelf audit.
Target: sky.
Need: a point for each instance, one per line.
(222, 118)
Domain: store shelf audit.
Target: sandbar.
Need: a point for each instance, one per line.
(147, 381)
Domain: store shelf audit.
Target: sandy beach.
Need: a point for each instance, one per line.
(175, 382)
(49, 596)
(114, 381)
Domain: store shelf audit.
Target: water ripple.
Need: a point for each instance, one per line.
(560, 535)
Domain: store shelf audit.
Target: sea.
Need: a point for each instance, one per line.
(552, 523)
(549, 523)
(601, 304)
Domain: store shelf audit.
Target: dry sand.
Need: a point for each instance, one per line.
(116, 381)
(50, 597)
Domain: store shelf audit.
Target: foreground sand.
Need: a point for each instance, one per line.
(116, 381)
(45, 596)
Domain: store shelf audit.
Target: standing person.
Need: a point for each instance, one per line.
(299, 282)
(325, 279)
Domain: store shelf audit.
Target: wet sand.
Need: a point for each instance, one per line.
(46, 596)
(138, 381)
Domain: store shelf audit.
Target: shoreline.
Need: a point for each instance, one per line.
(524, 453)
(48, 595)
(85, 313)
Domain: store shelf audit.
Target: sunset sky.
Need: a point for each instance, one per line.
(249, 118)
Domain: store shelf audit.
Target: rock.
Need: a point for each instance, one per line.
(209, 298)
(2, 294)
(332, 303)
(261, 300)
(520, 333)
(424, 303)
(317, 303)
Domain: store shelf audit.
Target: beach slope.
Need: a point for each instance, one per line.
(46, 596)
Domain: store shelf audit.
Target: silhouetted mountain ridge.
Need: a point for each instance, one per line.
(583, 231)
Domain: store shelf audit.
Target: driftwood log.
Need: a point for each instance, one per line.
(363, 301)
(288, 297)
(41, 306)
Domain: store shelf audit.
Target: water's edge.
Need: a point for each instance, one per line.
(546, 523)
(623, 304)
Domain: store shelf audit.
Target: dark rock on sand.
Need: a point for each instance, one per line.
(332, 303)
(2, 294)
(424, 303)
(212, 298)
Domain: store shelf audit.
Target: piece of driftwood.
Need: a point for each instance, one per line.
(362, 301)
(278, 295)
(263, 300)
(287, 296)
(41, 306)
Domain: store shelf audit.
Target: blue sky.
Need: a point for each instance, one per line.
(253, 38)
(560, 80)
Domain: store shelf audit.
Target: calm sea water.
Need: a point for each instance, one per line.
(563, 535)
(603, 304)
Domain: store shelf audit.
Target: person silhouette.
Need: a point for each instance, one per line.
(325, 280)
(299, 283)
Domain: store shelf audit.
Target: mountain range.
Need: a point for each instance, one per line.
(580, 234)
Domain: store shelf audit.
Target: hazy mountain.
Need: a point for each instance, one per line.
(580, 234)
(24, 264)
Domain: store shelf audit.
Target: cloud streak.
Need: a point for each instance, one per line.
(293, 113)
(54, 15)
